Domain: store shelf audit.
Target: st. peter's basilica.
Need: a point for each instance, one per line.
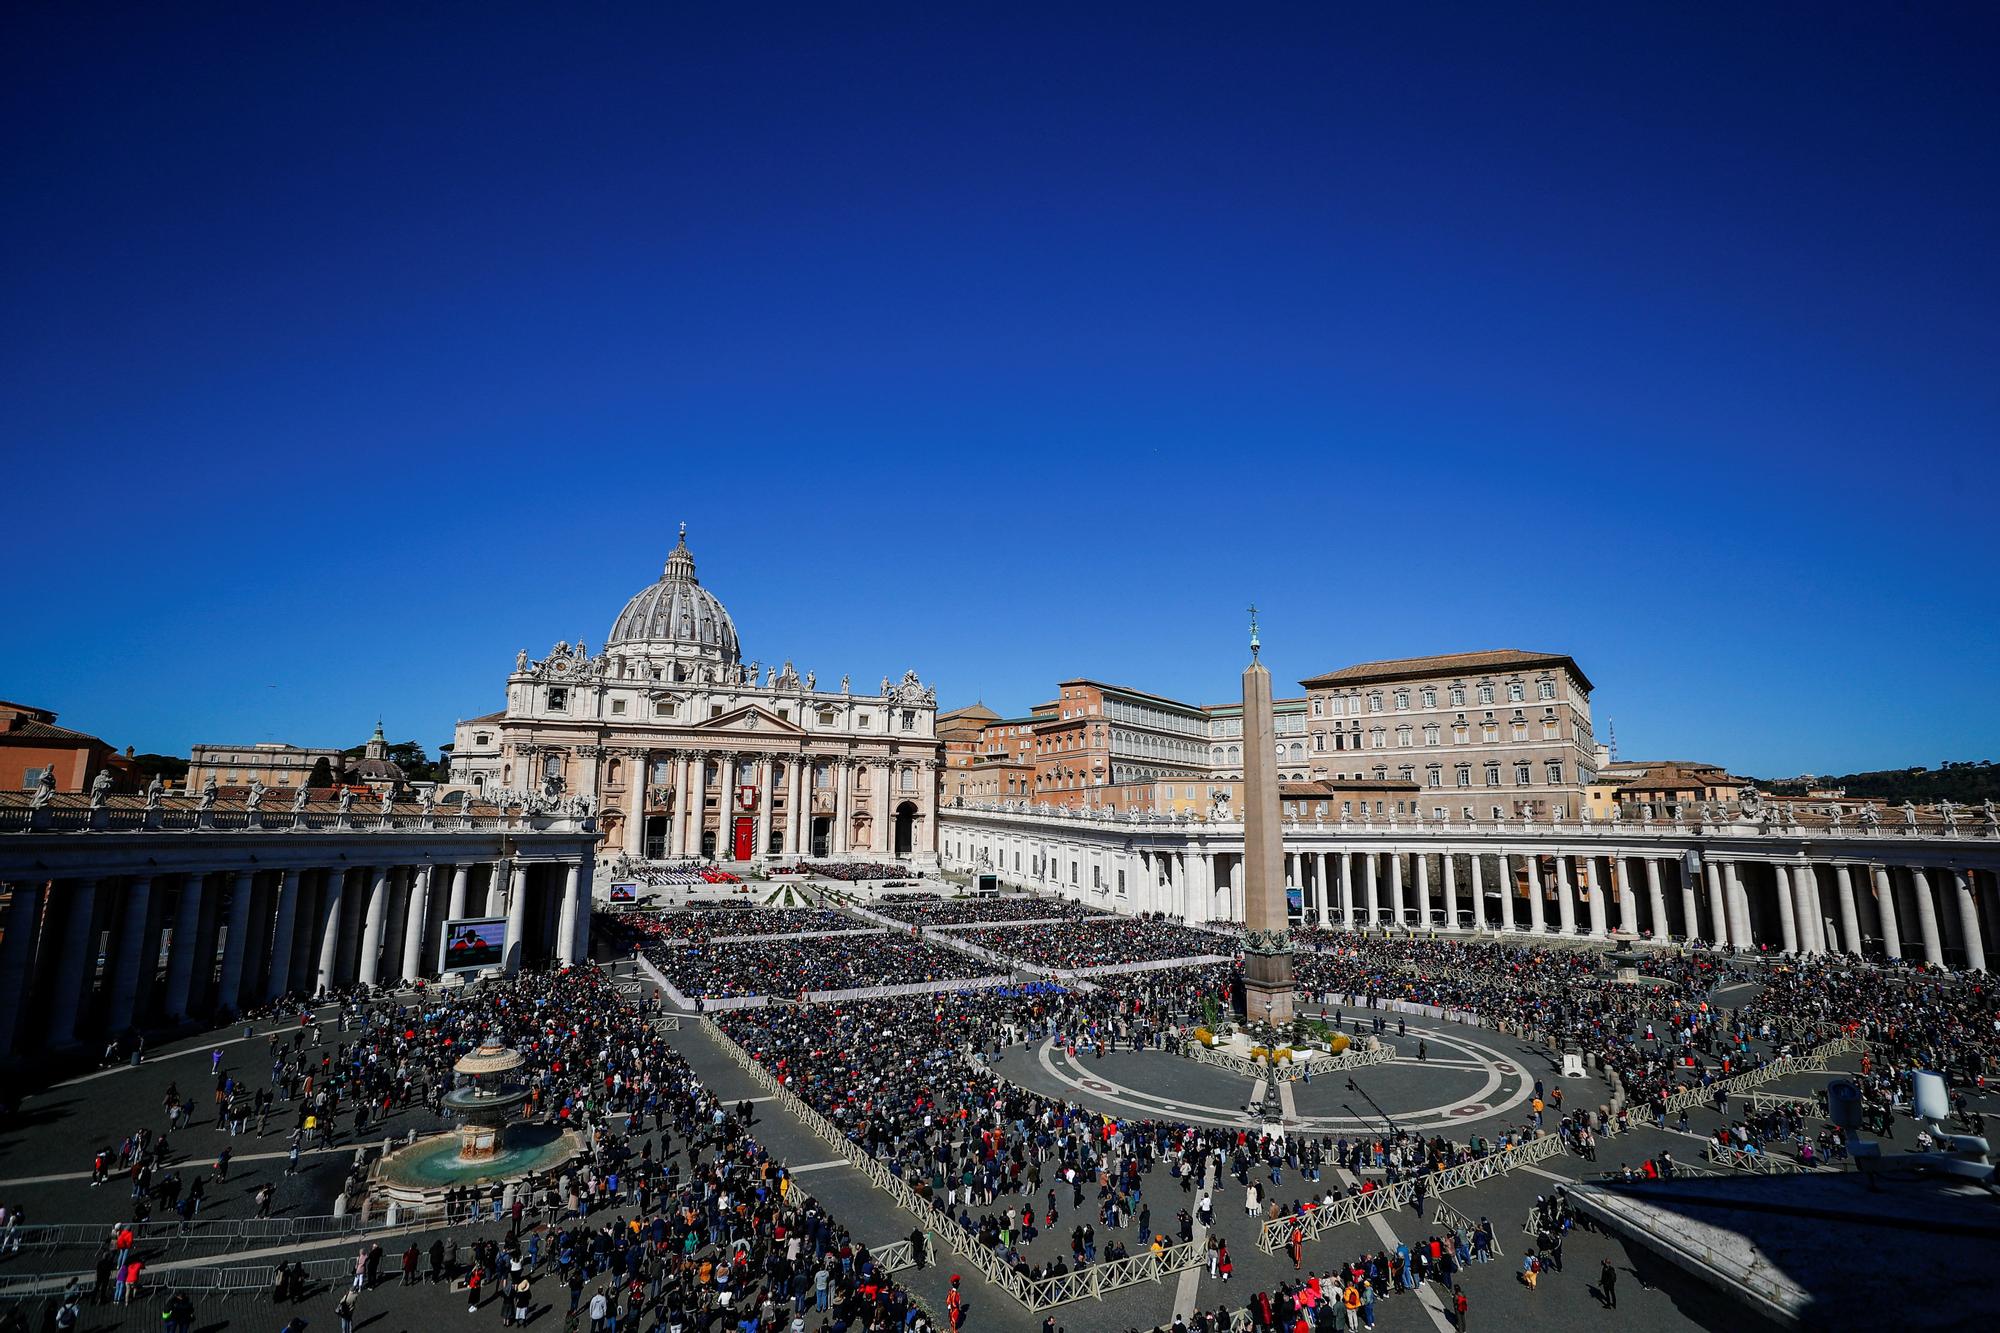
(689, 753)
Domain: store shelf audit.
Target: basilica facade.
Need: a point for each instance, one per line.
(686, 752)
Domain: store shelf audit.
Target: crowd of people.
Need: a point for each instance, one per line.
(787, 967)
(1098, 941)
(855, 871)
(704, 923)
(932, 910)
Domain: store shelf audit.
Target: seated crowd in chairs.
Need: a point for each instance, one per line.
(725, 920)
(689, 874)
(927, 909)
(856, 870)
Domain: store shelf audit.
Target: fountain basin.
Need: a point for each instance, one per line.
(427, 1168)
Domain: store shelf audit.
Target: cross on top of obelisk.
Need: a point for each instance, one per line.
(1254, 645)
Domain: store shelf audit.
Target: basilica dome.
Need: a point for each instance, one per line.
(677, 615)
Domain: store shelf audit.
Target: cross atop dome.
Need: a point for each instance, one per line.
(680, 560)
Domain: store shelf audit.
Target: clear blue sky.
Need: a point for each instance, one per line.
(349, 350)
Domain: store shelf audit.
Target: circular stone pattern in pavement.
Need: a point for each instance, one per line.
(1464, 1081)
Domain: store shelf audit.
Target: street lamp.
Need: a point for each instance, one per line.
(1271, 1109)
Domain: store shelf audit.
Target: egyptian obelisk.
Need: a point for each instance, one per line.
(1267, 948)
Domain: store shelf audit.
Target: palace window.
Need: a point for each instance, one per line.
(1402, 701)
(1465, 775)
(1319, 742)
(1515, 693)
(1489, 732)
(1521, 775)
(1458, 696)
(1460, 734)
(909, 719)
(1551, 730)
(1486, 694)
(1378, 739)
(1316, 711)
(1493, 775)
(1434, 776)
(1375, 702)
(1430, 735)
(1520, 731)
(1547, 689)
(1430, 698)
(1555, 772)
(482, 738)
(1402, 738)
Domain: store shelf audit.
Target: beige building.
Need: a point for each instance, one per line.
(1659, 783)
(688, 753)
(1499, 733)
(268, 762)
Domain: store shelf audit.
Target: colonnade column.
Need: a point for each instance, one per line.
(1628, 895)
(1374, 891)
(1805, 888)
(1537, 909)
(1507, 893)
(236, 945)
(1927, 923)
(78, 945)
(1319, 889)
(415, 917)
(1565, 896)
(1422, 862)
(329, 946)
(1968, 921)
(280, 979)
(1850, 921)
(181, 955)
(1788, 928)
(17, 957)
(566, 925)
(1718, 911)
(1656, 898)
(1885, 907)
(1450, 892)
(1478, 893)
(1346, 860)
(1396, 888)
(368, 967)
(1599, 924)
(517, 918)
(127, 962)
(1739, 907)
(1690, 917)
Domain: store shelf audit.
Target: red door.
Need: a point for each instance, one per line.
(745, 837)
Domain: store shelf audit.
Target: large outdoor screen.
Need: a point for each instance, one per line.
(475, 943)
(624, 892)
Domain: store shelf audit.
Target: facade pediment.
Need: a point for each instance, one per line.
(750, 719)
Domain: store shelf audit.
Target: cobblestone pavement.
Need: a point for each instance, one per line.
(45, 1154)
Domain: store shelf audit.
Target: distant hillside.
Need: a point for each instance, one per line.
(1967, 783)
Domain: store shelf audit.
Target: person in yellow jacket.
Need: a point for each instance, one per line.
(1350, 1301)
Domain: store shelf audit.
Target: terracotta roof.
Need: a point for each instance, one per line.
(1335, 786)
(1446, 664)
(500, 716)
(1107, 686)
(1677, 777)
(27, 731)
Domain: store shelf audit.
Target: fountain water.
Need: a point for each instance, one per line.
(490, 1146)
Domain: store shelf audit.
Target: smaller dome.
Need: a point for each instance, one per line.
(677, 613)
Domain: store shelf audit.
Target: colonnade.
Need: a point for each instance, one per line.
(1930, 900)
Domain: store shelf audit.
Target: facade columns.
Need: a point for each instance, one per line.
(1374, 891)
(1396, 889)
(1345, 861)
(1968, 921)
(1421, 863)
(517, 919)
(882, 830)
(635, 803)
(461, 883)
(415, 919)
(698, 808)
(1507, 894)
(1319, 889)
(766, 784)
(1690, 916)
(281, 936)
(1788, 928)
(182, 951)
(129, 965)
(1927, 923)
(1478, 893)
(236, 947)
(1599, 910)
(795, 804)
(1537, 909)
(843, 803)
(79, 947)
(1565, 896)
(1450, 892)
(566, 924)
(1805, 888)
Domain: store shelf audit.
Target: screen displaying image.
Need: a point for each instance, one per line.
(474, 944)
(624, 893)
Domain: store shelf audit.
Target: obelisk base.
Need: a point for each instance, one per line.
(1267, 980)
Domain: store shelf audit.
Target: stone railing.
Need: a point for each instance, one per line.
(1036, 1294)
(133, 814)
(1277, 1230)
